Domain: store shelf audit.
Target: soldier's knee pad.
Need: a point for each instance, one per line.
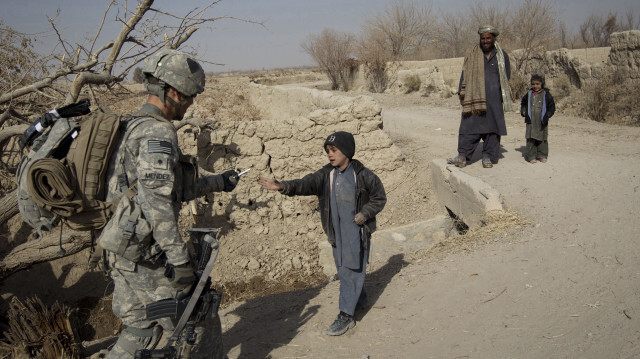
(132, 339)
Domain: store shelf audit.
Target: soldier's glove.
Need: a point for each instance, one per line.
(231, 179)
(181, 277)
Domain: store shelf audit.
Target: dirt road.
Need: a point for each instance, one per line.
(566, 286)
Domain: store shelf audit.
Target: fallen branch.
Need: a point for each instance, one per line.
(42, 250)
(9, 132)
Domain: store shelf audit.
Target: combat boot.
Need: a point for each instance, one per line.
(340, 326)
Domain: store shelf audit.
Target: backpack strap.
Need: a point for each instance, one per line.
(129, 125)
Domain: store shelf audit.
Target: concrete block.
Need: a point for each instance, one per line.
(398, 240)
(468, 197)
(409, 238)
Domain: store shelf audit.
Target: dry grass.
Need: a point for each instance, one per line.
(260, 286)
(497, 227)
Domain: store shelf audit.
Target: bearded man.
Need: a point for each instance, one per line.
(484, 96)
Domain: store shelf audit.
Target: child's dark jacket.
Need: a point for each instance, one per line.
(549, 107)
(370, 193)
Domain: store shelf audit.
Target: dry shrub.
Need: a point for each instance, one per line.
(412, 83)
(561, 87)
(377, 79)
(432, 89)
(38, 331)
(496, 226)
(519, 84)
(373, 52)
(332, 50)
(613, 99)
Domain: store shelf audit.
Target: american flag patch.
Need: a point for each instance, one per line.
(157, 146)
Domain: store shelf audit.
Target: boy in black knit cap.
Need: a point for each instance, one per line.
(350, 196)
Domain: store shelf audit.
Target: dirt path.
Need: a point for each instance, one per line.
(565, 286)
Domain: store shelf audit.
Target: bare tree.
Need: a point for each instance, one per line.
(19, 66)
(633, 21)
(332, 51)
(373, 52)
(502, 18)
(453, 35)
(535, 27)
(563, 35)
(595, 31)
(405, 26)
(110, 63)
(60, 77)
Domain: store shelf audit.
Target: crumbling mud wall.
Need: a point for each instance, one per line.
(625, 53)
(442, 76)
(563, 62)
(268, 234)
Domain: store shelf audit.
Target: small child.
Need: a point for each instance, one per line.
(350, 196)
(537, 106)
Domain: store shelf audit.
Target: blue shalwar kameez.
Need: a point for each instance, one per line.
(349, 256)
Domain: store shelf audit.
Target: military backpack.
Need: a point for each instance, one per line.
(62, 177)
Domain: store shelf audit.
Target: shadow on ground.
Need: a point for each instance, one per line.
(269, 322)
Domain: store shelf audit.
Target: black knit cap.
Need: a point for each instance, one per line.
(343, 141)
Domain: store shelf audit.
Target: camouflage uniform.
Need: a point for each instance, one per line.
(149, 153)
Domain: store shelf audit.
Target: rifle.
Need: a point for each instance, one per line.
(203, 303)
(41, 123)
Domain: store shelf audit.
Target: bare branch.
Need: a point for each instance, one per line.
(124, 33)
(43, 250)
(45, 82)
(184, 37)
(86, 78)
(104, 16)
(55, 29)
(9, 132)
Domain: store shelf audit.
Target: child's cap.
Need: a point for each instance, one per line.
(343, 141)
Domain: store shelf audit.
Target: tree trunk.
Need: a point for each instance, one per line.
(42, 250)
(8, 206)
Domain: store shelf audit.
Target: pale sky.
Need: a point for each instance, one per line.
(242, 46)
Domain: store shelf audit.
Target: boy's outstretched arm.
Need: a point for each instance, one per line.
(270, 184)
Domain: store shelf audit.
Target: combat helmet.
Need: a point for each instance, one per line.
(176, 69)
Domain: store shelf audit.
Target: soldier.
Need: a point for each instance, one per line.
(148, 160)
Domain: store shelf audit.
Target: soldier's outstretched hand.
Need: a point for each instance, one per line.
(271, 184)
